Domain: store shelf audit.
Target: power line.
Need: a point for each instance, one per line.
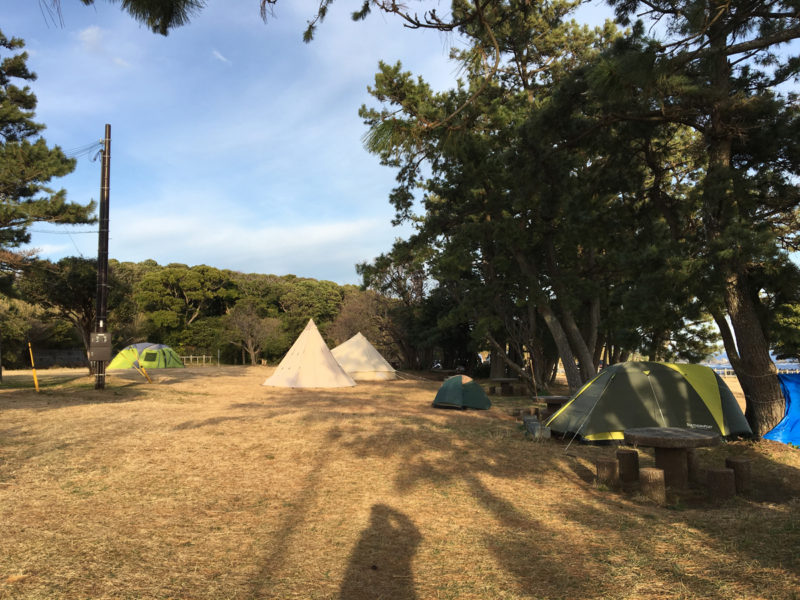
(78, 250)
(93, 148)
(51, 11)
(62, 232)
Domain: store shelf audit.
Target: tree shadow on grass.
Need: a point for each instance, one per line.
(45, 380)
(56, 397)
(582, 547)
(531, 549)
(380, 565)
(546, 561)
(717, 553)
(274, 559)
(158, 376)
(205, 423)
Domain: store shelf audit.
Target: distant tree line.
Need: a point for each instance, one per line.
(246, 317)
(198, 310)
(202, 310)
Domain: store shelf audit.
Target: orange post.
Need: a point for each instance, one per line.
(33, 366)
(146, 376)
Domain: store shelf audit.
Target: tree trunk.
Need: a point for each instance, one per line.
(574, 380)
(408, 354)
(553, 373)
(594, 331)
(538, 364)
(754, 368)
(656, 346)
(599, 348)
(85, 333)
(585, 357)
(506, 360)
(565, 353)
(576, 340)
(252, 350)
(497, 368)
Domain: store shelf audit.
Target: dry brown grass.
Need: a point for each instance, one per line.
(207, 485)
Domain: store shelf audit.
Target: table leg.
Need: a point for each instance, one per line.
(675, 464)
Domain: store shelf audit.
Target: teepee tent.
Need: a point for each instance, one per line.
(309, 364)
(461, 391)
(362, 361)
(145, 355)
(650, 394)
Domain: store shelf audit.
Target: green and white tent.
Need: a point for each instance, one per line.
(650, 394)
(460, 391)
(146, 356)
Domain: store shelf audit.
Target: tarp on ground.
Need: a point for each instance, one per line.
(362, 361)
(461, 391)
(309, 364)
(788, 429)
(650, 394)
(145, 355)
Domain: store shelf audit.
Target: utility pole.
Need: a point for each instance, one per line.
(100, 345)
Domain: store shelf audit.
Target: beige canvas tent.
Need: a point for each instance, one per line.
(309, 364)
(362, 361)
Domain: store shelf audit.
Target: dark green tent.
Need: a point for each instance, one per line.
(650, 394)
(461, 392)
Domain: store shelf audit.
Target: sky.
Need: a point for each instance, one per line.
(233, 143)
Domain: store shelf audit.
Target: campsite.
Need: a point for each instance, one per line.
(206, 484)
(434, 300)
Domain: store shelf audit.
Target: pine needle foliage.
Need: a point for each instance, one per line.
(27, 163)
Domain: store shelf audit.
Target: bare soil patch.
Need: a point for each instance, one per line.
(205, 484)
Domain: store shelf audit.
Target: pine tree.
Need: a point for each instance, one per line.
(27, 164)
(718, 71)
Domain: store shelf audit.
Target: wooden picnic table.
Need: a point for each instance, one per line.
(554, 402)
(506, 384)
(671, 446)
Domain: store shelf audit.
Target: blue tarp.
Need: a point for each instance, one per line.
(788, 430)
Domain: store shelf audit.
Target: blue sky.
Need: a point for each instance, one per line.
(234, 144)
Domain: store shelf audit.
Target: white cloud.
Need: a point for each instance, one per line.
(325, 250)
(91, 39)
(216, 54)
(95, 41)
(49, 250)
(255, 167)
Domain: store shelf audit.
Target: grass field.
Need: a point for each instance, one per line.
(205, 484)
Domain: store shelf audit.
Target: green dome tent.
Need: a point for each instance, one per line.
(650, 394)
(146, 356)
(461, 392)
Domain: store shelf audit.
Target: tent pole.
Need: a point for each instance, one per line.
(658, 404)
(588, 414)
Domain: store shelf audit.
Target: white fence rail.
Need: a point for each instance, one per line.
(732, 373)
(201, 361)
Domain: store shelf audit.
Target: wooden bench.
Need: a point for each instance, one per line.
(506, 385)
